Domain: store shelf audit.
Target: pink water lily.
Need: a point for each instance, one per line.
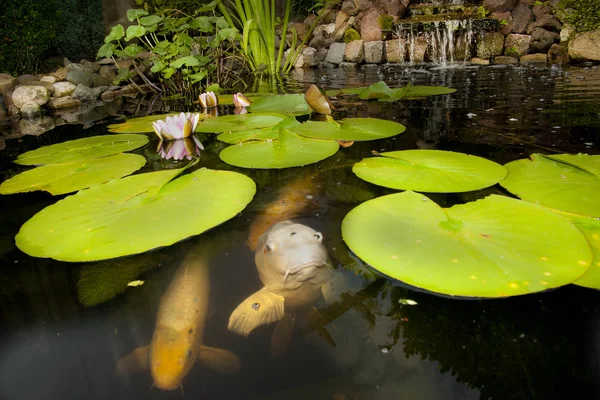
(180, 149)
(176, 127)
(208, 99)
(239, 100)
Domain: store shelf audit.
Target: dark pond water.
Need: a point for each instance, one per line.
(544, 346)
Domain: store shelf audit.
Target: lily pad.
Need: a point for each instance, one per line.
(135, 214)
(590, 228)
(430, 171)
(82, 149)
(291, 104)
(291, 150)
(564, 182)
(235, 123)
(495, 247)
(66, 178)
(138, 125)
(258, 134)
(351, 129)
(383, 92)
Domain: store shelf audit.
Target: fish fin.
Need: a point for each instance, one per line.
(282, 335)
(137, 360)
(218, 359)
(332, 289)
(263, 307)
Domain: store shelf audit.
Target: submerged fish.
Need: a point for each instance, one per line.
(180, 321)
(293, 265)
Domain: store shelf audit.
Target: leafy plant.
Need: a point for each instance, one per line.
(584, 15)
(82, 28)
(481, 12)
(386, 22)
(184, 49)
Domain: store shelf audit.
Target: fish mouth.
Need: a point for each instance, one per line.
(298, 268)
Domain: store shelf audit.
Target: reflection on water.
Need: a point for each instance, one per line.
(530, 347)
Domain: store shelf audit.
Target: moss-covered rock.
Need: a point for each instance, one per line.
(386, 22)
(351, 35)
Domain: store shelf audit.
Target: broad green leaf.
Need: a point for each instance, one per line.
(135, 214)
(82, 149)
(227, 99)
(257, 134)
(135, 31)
(234, 123)
(228, 33)
(150, 20)
(430, 171)
(197, 77)
(564, 182)
(122, 74)
(168, 72)
(135, 13)
(189, 61)
(590, 228)
(382, 92)
(66, 178)
(293, 104)
(158, 66)
(415, 92)
(106, 50)
(355, 129)
(201, 23)
(138, 125)
(133, 50)
(116, 33)
(375, 91)
(495, 247)
(291, 150)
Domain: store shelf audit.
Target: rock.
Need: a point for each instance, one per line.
(565, 33)
(48, 79)
(2, 111)
(328, 29)
(49, 87)
(7, 83)
(480, 61)
(517, 45)
(505, 29)
(490, 45)
(12, 110)
(79, 77)
(349, 7)
(395, 50)
(308, 21)
(363, 5)
(369, 25)
(29, 94)
(548, 22)
(417, 53)
(36, 126)
(529, 3)
(106, 61)
(22, 79)
(63, 103)
(499, 5)
(62, 89)
(586, 47)
(92, 66)
(108, 73)
(396, 8)
(97, 80)
(522, 17)
(312, 56)
(30, 109)
(343, 31)
(98, 90)
(505, 60)
(301, 29)
(61, 73)
(84, 93)
(355, 51)
(558, 54)
(534, 58)
(128, 90)
(341, 18)
(348, 65)
(374, 52)
(541, 40)
(335, 55)
(124, 63)
(108, 96)
(539, 11)
(318, 57)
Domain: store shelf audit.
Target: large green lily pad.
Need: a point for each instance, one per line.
(563, 182)
(66, 178)
(291, 104)
(135, 214)
(235, 123)
(291, 150)
(82, 149)
(383, 92)
(495, 247)
(351, 129)
(430, 171)
(138, 125)
(247, 135)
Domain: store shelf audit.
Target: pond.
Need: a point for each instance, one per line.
(541, 346)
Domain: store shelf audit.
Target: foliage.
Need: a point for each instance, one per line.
(386, 22)
(584, 15)
(513, 52)
(351, 35)
(185, 49)
(27, 32)
(81, 28)
(481, 12)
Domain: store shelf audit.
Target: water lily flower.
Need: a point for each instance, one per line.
(316, 98)
(180, 149)
(176, 127)
(208, 99)
(239, 100)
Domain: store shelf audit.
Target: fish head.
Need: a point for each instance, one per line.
(172, 355)
(290, 255)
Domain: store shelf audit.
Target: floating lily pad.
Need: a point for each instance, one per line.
(563, 182)
(590, 228)
(430, 171)
(352, 129)
(383, 92)
(138, 125)
(65, 178)
(235, 123)
(82, 149)
(291, 104)
(375, 91)
(495, 247)
(135, 214)
(258, 134)
(291, 150)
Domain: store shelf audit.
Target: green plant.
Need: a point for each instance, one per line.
(386, 22)
(82, 28)
(481, 12)
(513, 52)
(504, 22)
(351, 35)
(184, 49)
(583, 15)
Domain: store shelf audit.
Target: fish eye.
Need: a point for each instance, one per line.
(269, 247)
(292, 234)
(189, 353)
(317, 236)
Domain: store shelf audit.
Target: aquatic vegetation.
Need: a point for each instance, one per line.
(590, 227)
(382, 92)
(138, 124)
(267, 133)
(179, 149)
(291, 104)
(234, 123)
(495, 247)
(240, 101)
(317, 99)
(70, 177)
(176, 127)
(430, 171)
(208, 100)
(563, 182)
(350, 129)
(135, 214)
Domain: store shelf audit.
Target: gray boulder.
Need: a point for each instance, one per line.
(522, 17)
(63, 89)
(335, 55)
(517, 45)
(500, 5)
(490, 45)
(29, 94)
(85, 94)
(7, 83)
(541, 40)
(586, 47)
(79, 77)
(355, 52)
